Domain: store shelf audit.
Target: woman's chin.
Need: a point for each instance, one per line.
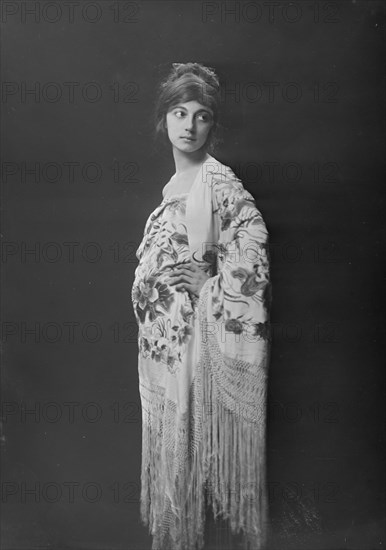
(188, 148)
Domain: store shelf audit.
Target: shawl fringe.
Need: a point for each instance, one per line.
(224, 466)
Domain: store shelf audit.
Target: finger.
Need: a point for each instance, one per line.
(195, 269)
(182, 269)
(183, 279)
(180, 272)
(181, 264)
(184, 287)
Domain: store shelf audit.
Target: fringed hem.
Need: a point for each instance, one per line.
(171, 499)
(233, 443)
(214, 457)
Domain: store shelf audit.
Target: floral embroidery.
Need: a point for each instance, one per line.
(233, 325)
(152, 297)
(250, 285)
(240, 258)
(164, 315)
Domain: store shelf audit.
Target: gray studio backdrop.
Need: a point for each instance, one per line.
(302, 115)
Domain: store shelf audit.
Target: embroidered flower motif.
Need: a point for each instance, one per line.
(151, 296)
(250, 284)
(180, 238)
(144, 346)
(226, 220)
(232, 205)
(210, 257)
(176, 204)
(186, 312)
(160, 350)
(262, 330)
(218, 308)
(184, 333)
(233, 325)
(165, 316)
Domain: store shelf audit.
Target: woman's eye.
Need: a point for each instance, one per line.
(202, 117)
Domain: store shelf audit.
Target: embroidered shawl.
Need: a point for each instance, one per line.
(217, 459)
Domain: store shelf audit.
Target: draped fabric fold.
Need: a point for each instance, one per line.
(204, 415)
(200, 222)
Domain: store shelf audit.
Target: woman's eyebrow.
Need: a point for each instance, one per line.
(203, 109)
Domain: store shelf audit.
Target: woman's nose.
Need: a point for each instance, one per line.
(189, 123)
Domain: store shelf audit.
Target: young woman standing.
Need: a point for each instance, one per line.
(201, 300)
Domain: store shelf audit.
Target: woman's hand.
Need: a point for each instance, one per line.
(188, 277)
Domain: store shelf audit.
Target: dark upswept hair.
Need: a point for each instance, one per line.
(188, 82)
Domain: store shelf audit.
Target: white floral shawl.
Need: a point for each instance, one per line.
(218, 456)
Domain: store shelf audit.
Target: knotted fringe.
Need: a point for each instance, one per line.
(233, 435)
(171, 503)
(214, 456)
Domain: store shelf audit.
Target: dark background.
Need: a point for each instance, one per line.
(321, 202)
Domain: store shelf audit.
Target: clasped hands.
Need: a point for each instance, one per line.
(188, 276)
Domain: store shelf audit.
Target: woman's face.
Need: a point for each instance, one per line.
(188, 126)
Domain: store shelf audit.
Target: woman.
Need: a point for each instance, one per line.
(200, 297)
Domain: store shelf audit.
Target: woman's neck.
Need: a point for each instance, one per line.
(185, 162)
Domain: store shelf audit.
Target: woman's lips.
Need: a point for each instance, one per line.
(188, 138)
